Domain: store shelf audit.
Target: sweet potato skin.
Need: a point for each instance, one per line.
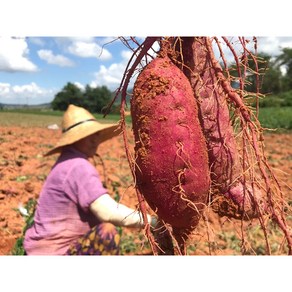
(172, 170)
(225, 166)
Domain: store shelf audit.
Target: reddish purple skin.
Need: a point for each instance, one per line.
(225, 165)
(172, 160)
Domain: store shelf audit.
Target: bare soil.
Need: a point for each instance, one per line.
(23, 169)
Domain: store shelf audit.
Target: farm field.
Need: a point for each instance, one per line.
(25, 138)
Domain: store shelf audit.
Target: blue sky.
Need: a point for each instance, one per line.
(34, 69)
(47, 51)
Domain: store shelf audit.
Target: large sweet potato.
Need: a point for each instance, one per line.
(172, 170)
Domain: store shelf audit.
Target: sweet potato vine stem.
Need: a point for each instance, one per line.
(139, 53)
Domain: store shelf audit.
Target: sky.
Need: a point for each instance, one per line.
(46, 44)
(34, 69)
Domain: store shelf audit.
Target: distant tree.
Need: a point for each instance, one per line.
(93, 99)
(285, 59)
(88, 98)
(96, 98)
(271, 81)
(266, 73)
(70, 94)
(269, 75)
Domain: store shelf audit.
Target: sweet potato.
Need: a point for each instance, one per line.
(164, 169)
(172, 170)
(225, 165)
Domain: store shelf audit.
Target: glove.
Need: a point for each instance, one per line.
(153, 222)
(163, 238)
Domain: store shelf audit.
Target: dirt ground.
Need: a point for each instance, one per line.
(23, 170)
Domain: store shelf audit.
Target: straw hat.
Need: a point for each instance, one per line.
(77, 124)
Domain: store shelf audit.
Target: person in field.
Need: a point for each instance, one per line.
(75, 214)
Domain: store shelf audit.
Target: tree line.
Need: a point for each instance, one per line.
(271, 77)
(94, 99)
(274, 78)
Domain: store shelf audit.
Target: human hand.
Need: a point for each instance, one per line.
(153, 222)
(163, 237)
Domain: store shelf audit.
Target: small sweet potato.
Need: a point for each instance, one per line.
(225, 166)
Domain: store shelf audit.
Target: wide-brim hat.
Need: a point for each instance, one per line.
(77, 124)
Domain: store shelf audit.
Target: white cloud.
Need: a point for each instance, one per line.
(4, 89)
(25, 94)
(269, 45)
(66, 41)
(273, 45)
(14, 55)
(107, 40)
(79, 85)
(37, 41)
(87, 49)
(126, 55)
(48, 56)
(111, 76)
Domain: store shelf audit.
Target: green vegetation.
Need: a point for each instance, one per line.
(273, 117)
(29, 217)
(43, 118)
(283, 99)
(22, 118)
(93, 99)
(273, 73)
(279, 118)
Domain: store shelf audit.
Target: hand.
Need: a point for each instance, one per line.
(153, 222)
(163, 238)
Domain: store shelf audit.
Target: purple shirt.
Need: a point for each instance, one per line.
(62, 214)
